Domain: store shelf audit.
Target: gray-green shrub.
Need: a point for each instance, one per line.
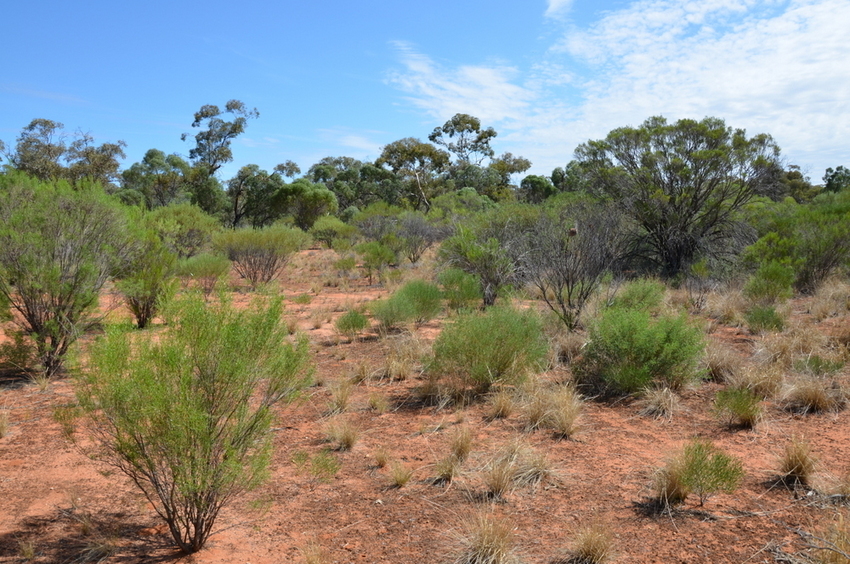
(501, 345)
(461, 290)
(259, 254)
(700, 468)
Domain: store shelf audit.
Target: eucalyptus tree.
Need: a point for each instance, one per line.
(417, 165)
(682, 183)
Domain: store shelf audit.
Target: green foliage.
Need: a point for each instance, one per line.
(184, 228)
(681, 183)
(487, 259)
(376, 257)
(260, 254)
(704, 469)
(501, 346)
(187, 416)
(58, 246)
(424, 298)
(306, 202)
(149, 281)
(206, 269)
(460, 289)
(643, 294)
(630, 350)
(351, 323)
(327, 229)
(770, 284)
(763, 318)
(739, 406)
(392, 312)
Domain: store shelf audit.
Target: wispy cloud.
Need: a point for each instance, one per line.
(345, 140)
(557, 7)
(34, 93)
(488, 91)
(775, 66)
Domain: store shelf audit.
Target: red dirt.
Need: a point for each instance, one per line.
(60, 502)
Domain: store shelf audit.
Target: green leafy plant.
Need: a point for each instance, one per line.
(376, 257)
(501, 346)
(187, 416)
(148, 282)
(643, 294)
(461, 290)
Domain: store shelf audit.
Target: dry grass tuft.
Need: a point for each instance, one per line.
(833, 544)
(810, 394)
(566, 346)
(400, 474)
(4, 422)
(404, 357)
(343, 433)
(797, 465)
(593, 544)
(556, 408)
(340, 396)
(722, 363)
(660, 403)
(831, 300)
(727, 307)
(500, 405)
(764, 380)
(486, 539)
(796, 341)
(314, 553)
(515, 466)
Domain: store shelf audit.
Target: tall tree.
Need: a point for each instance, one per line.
(160, 178)
(417, 165)
(462, 136)
(212, 143)
(682, 183)
(836, 180)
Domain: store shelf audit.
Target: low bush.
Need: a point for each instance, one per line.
(461, 290)
(763, 318)
(738, 406)
(771, 284)
(205, 269)
(392, 312)
(700, 468)
(643, 294)
(351, 323)
(629, 350)
(500, 346)
(424, 299)
(260, 254)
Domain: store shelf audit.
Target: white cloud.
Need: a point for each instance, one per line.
(774, 66)
(484, 91)
(557, 7)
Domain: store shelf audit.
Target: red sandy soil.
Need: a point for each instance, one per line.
(60, 503)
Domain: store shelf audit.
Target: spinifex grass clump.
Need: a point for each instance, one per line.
(187, 416)
(501, 345)
(630, 350)
(738, 406)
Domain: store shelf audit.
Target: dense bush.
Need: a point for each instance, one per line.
(425, 299)
(149, 280)
(461, 290)
(643, 294)
(58, 247)
(630, 350)
(187, 417)
(501, 346)
(351, 323)
(260, 254)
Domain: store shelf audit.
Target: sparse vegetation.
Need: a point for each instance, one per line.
(797, 464)
(700, 468)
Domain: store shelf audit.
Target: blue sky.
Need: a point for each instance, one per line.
(344, 78)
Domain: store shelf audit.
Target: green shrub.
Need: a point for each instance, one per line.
(771, 284)
(184, 228)
(187, 416)
(461, 290)
(425, 299)
(351, 323)
(392, 312)
(700, 468)
(376, 257)
(643, 294)
(206, 269)
(149, 281)
(629, 350)
(501, 345)
(740, 406)
(764, 318)
(260, 254)
(328, 228)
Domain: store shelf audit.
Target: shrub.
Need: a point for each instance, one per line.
(629, 350)
(376, 257)
(700, 468)
(328, 228)
(260, 254)
(351, 323)
(643, 294)
(763, 318)
(184, 228)
(206, 269)
(499, 346)
(461, 290)
(187, 416)
(392, 312)
(738, 406)
(425, 300)
(770, 284)
(149, 281)
(58, 247)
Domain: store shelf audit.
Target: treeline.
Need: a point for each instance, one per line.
(694, 202)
